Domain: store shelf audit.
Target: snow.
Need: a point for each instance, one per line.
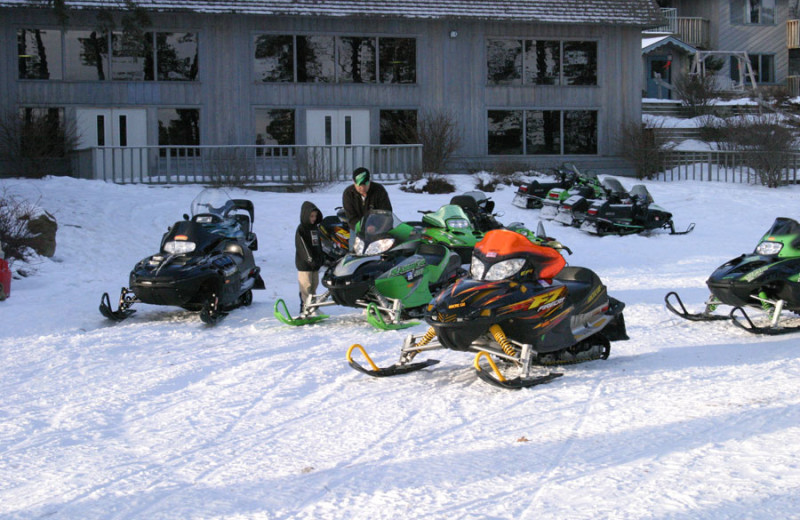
(162, 417)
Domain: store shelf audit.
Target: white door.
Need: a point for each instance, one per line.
(120, 135)
(340, 138)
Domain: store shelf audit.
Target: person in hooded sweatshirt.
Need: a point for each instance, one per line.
(308, 257)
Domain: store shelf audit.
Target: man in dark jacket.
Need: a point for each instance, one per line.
(363, 195)
(308, 256)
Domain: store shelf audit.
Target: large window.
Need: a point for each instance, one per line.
(541, 62)
(763, 68)
(398, 126)
(179, 127)
(752, 12)
(334, 59)
(274, 127)
(83, 55)
(542, 132)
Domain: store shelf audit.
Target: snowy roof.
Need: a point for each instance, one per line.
(642, 13)
(656, 42)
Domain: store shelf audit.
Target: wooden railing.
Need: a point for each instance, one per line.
(793, 34)
(691, 30)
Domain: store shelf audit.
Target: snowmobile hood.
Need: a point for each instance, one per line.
(503, 245)
(449, 214)
(469, 300)
(190, 232)
(306, 209)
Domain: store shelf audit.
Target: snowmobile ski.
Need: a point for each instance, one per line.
(711, 306)
(126, 299)
(393, 370)
(376, 319)
(747, 324)
(500, 381)
(281, 312)
(687, 231)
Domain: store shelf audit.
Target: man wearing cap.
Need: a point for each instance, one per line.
(362, 196)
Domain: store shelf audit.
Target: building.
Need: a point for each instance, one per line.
(537, 82)
(767, 30)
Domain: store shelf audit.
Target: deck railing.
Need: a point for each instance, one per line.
(689, 29)
(246, 164)
(749, 167)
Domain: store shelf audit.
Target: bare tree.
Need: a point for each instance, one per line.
(640, 146)
(438, 132)
(34, 141)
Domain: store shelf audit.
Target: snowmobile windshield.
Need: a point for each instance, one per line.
(640, 193)
(613, 185)
(373, 239)
(212, 201)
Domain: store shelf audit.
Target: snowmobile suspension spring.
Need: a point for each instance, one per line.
(429, 335)
(500, 337)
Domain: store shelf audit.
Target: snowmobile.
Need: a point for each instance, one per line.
(586, 185)
(462, 224)
(533, 194)
(573, 210)
(205, 262)
(335, 237)
(624, 217)
(521, 305)
(768, 279)
(391, 273)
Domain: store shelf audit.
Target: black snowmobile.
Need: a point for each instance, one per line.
(521, 305)
(205, 262)
(391, 273)
(637, 214)
(573, 209)
(533, 194)
(335, 237)
(768, 279)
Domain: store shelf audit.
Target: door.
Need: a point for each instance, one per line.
(338, 137)
(119, 135)
(659, 72)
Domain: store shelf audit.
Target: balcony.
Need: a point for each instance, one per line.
(793, 34)
(689, 29)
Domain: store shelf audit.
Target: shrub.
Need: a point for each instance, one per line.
(430, 183)
(640, 147)
(438, 133)
(33, 140)
(15, 213)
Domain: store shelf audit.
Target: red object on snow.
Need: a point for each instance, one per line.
(5, 280)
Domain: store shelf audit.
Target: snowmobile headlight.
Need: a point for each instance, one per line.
(769, 248)
(379, 246)
(477, 268)
(358, 246)
(179, 247)
(458, 223)
(505, 269)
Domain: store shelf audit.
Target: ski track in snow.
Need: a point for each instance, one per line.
(162, 417)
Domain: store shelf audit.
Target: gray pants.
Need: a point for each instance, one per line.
(308, 281)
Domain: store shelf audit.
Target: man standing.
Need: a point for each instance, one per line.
(361, 197)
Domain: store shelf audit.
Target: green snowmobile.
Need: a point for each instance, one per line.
(390, 272)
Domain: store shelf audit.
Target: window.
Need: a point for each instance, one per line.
(763, 68)
(274, 127)
(39, 54)
(85, 55)
(274, 58)
(179, 127)
(176, 55)
(356, 59)
(398, 126)
(544, 132)
(334, 59)
(752, 12)
(541, 62)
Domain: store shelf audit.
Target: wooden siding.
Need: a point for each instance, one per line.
(451, 74)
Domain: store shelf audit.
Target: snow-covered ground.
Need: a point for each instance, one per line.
(162, 417)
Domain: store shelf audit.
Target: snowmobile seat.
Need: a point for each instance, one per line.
(243, 221)
(579, 281)
(432, 253)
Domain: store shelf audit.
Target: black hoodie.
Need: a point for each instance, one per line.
(308, 254)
